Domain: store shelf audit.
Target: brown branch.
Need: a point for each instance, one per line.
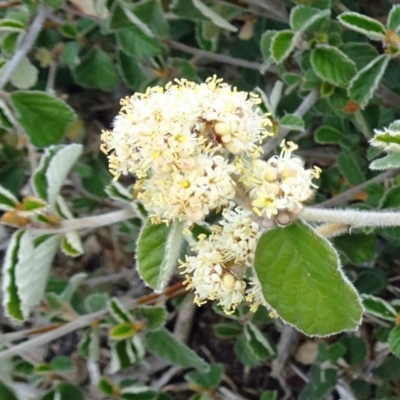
(10, 4)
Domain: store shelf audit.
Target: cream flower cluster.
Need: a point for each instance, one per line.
(223, 259)
(180, 142)
(279, 185)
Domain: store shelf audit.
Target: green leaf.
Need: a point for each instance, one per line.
(388, 370)
(370, 27)
(378, 307)
(131, 70)
(135, 43)
(303, 17)
(164, 345)
(371, 281)
(393, 21)
(364, 83)
(43, 117)
(89, 346)
(61, 364)
(394, 341)
(358, 247)
(71, 244)
(360, 53)
(25, 75)
(26, 269)
(265, 43)
(327, 135)
(96, 71)
(258, 343)
(122, 331)
(292, 122)
(106, 386)
(7, 393)
(156, 317)
(350, 168)
(282, 44)
(355, 350)
(332, 65)
(124, 353)
(7, 200)
(302, 281)
(226, 330)
(53, 169)
(391, 198)
(388, 139)
(118, 192)
(269, 395)
(209, 380)
(244, 353)
(67, 391)
(11, 25)
(69, 30)
(96, 302)
(118, 311)
(198, 10)
(7, 118)
(158, 250)
(390, 161)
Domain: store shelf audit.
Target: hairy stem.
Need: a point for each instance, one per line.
(353, 218)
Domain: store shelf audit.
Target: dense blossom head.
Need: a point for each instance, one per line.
(158, 130)
(180, 141)
(281, 184)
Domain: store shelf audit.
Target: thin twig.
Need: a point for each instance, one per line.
(303, 108)
(26, 45)
(221, 58)
(86, 320)
(353, 192)
(88, 222)
(10, 5)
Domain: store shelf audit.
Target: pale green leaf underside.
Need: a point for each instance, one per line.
(388, 162)
(158, 249)
(301, 279)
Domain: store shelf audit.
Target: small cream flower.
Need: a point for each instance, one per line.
(216, 272)
(280, 184)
